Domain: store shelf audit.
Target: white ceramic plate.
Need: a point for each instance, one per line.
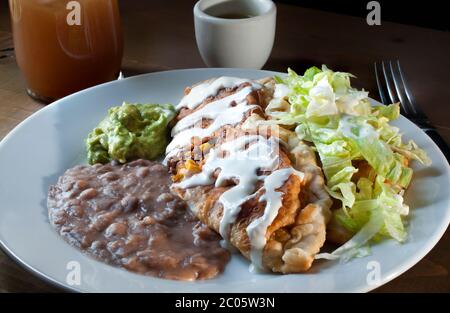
(42, 147)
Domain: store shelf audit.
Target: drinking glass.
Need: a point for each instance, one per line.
(65, 46)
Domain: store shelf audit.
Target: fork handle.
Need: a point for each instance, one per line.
(439, 141)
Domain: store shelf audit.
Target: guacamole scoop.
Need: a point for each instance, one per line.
(130, 131)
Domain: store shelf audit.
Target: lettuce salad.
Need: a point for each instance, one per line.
(364, 159)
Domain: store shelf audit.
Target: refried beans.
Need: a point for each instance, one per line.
(125, 215)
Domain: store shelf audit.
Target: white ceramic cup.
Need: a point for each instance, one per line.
(228, 42)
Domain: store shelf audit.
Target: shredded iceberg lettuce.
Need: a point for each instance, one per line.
(364, 160)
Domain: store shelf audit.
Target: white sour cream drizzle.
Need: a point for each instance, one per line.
(257, 229)
(207, 89)
(220, 111)
(212, 110)
(242, 164)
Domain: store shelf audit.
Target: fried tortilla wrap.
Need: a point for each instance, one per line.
(254, 183)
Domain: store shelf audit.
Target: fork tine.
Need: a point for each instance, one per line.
(400, 87)
(388, 83)
(392, 93)
(409, 95)
(380, 85)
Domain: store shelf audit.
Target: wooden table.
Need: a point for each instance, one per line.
(159, 36)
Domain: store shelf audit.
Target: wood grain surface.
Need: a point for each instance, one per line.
(160, 36)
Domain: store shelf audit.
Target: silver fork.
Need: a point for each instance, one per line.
(392, 83)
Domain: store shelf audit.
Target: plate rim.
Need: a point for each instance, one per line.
(408, 264)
